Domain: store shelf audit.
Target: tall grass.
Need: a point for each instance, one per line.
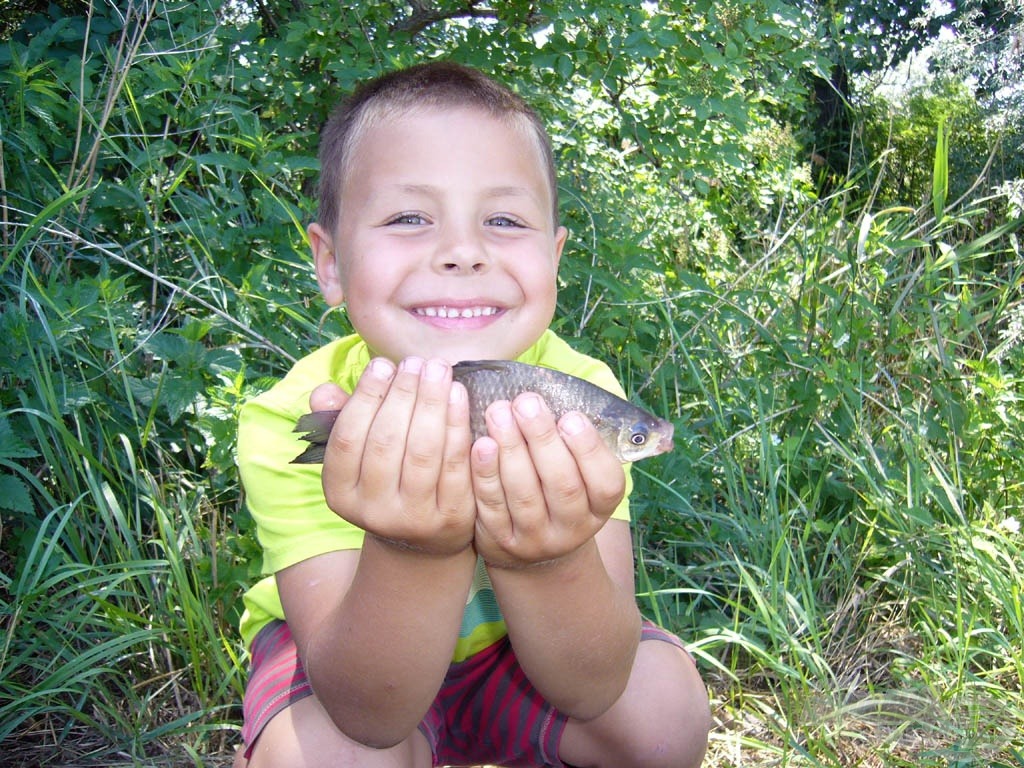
(841, 535)
(123, 549)
(114, 642)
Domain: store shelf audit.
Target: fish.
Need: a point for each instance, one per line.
(629, 431)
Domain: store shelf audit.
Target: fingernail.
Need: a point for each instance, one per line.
(412, 364)
(381, 368)
(572, 423)
(501, 414)
(456, 394)
(486, 450)
(435, 370)
(528, 406)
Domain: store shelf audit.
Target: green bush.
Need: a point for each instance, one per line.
(900, 134)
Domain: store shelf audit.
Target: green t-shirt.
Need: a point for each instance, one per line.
(286, 500)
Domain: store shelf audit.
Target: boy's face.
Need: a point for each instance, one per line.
(445, 245)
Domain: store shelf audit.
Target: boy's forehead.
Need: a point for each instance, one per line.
(386, 119)
(396, 116)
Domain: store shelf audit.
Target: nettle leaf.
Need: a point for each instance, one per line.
(143, 390)
(176, 350)
(44, 115)
(11, 445)
(222, 361)
(14, 495)
(179, 394)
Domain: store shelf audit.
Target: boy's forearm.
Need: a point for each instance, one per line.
(574, 630)
(377, 662)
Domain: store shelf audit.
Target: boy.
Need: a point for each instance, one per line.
(436, 601)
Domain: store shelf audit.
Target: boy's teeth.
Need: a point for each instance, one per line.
(453, 312)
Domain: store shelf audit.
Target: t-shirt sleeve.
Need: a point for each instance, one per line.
(286, 500)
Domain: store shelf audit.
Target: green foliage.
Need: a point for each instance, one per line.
(902, 134)
(844, 376)
(819, 526)
(940, 174)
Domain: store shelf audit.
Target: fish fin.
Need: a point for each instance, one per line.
(317, 425)
(468, 366)
(314, 454)
(317, 428)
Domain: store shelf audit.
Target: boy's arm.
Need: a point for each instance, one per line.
(375, 631)
(376, 628)
(575, 629)
(562, 571)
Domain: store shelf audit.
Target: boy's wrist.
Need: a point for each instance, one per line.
(401, 546)
(539, 566)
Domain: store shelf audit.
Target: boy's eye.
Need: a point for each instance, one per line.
(407, 218)
(504, 221)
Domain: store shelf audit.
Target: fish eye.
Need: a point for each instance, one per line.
(639, 435)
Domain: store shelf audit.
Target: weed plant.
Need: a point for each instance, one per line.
(837, 532)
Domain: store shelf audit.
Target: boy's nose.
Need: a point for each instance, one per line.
(462, 252)
(458, 264)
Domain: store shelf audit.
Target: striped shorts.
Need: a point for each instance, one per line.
(486, 712)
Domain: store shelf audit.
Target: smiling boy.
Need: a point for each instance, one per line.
(435, 601)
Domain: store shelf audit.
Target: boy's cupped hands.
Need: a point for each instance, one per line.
(401, 465)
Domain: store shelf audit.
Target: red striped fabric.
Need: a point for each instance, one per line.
(487, 711)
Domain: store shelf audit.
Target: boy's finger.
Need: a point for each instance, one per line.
(422, 460)
(559, 481)
(388, 432)
(492, 518)
(343, 455)
(350, 429)
(327, 397)
(522, 493)
(604, 481)
(454, 485)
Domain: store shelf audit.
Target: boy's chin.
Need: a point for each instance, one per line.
(504, 339)
(454, 353)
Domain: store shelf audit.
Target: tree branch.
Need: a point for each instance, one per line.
(424, 14)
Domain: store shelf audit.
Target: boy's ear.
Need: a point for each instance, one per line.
(325, 262)
(561, 235)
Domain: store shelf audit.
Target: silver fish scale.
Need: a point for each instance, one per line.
(488, 381)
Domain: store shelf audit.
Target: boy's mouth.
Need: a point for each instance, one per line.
(445, 312)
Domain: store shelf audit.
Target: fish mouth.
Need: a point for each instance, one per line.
(449, 312)
(666, 444)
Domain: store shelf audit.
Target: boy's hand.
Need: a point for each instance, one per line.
(396, 464)
(543, 489)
